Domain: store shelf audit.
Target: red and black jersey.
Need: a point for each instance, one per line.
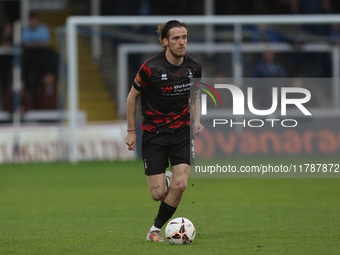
(165, 91)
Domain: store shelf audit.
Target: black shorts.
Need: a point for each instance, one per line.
(159, 148)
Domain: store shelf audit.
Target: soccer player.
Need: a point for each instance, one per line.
(163, 81)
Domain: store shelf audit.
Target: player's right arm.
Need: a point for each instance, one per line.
(131, 106)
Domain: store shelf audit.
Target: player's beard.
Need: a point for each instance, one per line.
(178, 55)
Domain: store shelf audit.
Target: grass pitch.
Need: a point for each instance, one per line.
(105, 208)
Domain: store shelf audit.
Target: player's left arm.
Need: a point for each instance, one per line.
(196, 112)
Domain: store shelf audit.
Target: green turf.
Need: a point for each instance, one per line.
(105, 208)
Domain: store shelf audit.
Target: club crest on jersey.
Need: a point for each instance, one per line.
(164, 77)
(190, 75)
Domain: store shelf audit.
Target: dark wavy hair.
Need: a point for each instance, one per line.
(164, 29)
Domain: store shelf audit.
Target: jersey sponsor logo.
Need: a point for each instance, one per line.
(176, 90)
(167, 89)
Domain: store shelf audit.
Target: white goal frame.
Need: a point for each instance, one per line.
(237, 21)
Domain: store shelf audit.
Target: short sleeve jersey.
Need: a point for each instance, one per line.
(165, 91)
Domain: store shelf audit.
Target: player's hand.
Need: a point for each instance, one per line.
(198, 128)
(130, 140)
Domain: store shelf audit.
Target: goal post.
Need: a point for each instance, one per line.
(237, 21)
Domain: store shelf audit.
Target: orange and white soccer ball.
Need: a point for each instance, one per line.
(180, 231)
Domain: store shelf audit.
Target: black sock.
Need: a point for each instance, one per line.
(165, 212)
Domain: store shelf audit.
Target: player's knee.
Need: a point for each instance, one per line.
(157, 196)
(183, 186)
(180, 186)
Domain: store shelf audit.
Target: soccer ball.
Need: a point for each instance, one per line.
(180, 231)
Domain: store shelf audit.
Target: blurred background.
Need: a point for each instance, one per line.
(33, 69)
